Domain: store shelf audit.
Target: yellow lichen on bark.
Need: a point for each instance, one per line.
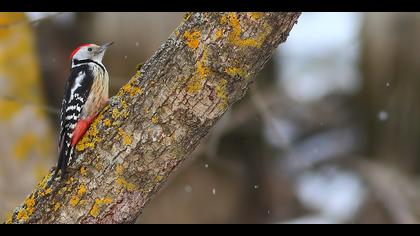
(223, 19)
(83, 171)
(125, 137)
(256, 15)
(131, 90)
(90, 138)
(121, 181)
(187, 16)
(233, 71)
(235, 34)
(75, 200)
(155, 119)
(96, 208)
(221, 93)
(57, 206)
(192, 39)
(202, 71)
(27, 209)
(217, 34)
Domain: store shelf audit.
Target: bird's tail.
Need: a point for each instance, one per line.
(65, 155)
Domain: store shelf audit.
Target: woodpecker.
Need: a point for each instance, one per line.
(85, 95)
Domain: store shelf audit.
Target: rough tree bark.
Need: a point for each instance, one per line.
(158, 118)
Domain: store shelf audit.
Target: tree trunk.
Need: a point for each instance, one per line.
(159, 117)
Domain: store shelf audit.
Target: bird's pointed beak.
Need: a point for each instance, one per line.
(105, 46)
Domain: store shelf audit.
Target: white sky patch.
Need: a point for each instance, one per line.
(335, 194)
(320, 56)
(62, 19)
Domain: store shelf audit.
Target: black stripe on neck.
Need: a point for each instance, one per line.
(78, 62)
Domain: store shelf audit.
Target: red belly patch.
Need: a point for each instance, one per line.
(81, 127)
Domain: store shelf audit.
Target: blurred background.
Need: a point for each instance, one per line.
(328, 133)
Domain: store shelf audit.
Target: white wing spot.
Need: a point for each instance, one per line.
(77, 84)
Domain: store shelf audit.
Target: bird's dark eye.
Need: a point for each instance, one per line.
(89, 49)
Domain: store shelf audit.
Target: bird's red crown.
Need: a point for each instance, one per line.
(78, 48)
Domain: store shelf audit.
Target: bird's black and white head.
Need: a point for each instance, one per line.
(89, 53)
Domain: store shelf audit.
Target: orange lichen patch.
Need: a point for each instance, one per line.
(155, 119)
(8, 109)
(82, 202)
(25, 145)
(48, 191)
(99, 166)
(82, 190)
(217, 34)
(187, 15)
(234, 71)
(70, 181)
(223, 19)
(96, 208)
(57, 206)
(193, 39)
(131, 90)
(221, 93)
(256, 15)
(41, 186)
(22, 215)
(44, 193)
(74, 200)
(123, 113)
(235, 35)
(119, 169)
(125, 184)
(90, 138)
(126, 138)
(27, 209)
(120, 180)
(159, 178)
(43, 183)
(107, 122)
(83, 171)
(61, 191)
(197, 81)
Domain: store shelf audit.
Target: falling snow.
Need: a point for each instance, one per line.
(188, 188)
(383, 116)
(214, 191)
